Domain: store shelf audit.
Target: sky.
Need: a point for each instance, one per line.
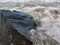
(26, 0)
(12, 0)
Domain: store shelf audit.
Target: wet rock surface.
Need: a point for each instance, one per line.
(15, 27)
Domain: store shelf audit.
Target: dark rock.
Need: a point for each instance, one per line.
(20, 22)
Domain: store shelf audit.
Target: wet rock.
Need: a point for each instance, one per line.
(20, 22)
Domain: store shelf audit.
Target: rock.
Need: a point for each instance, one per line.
(21, 24)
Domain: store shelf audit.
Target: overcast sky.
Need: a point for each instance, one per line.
(26, 0)
(12, 0)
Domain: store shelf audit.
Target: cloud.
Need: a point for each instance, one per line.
(12, 0)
